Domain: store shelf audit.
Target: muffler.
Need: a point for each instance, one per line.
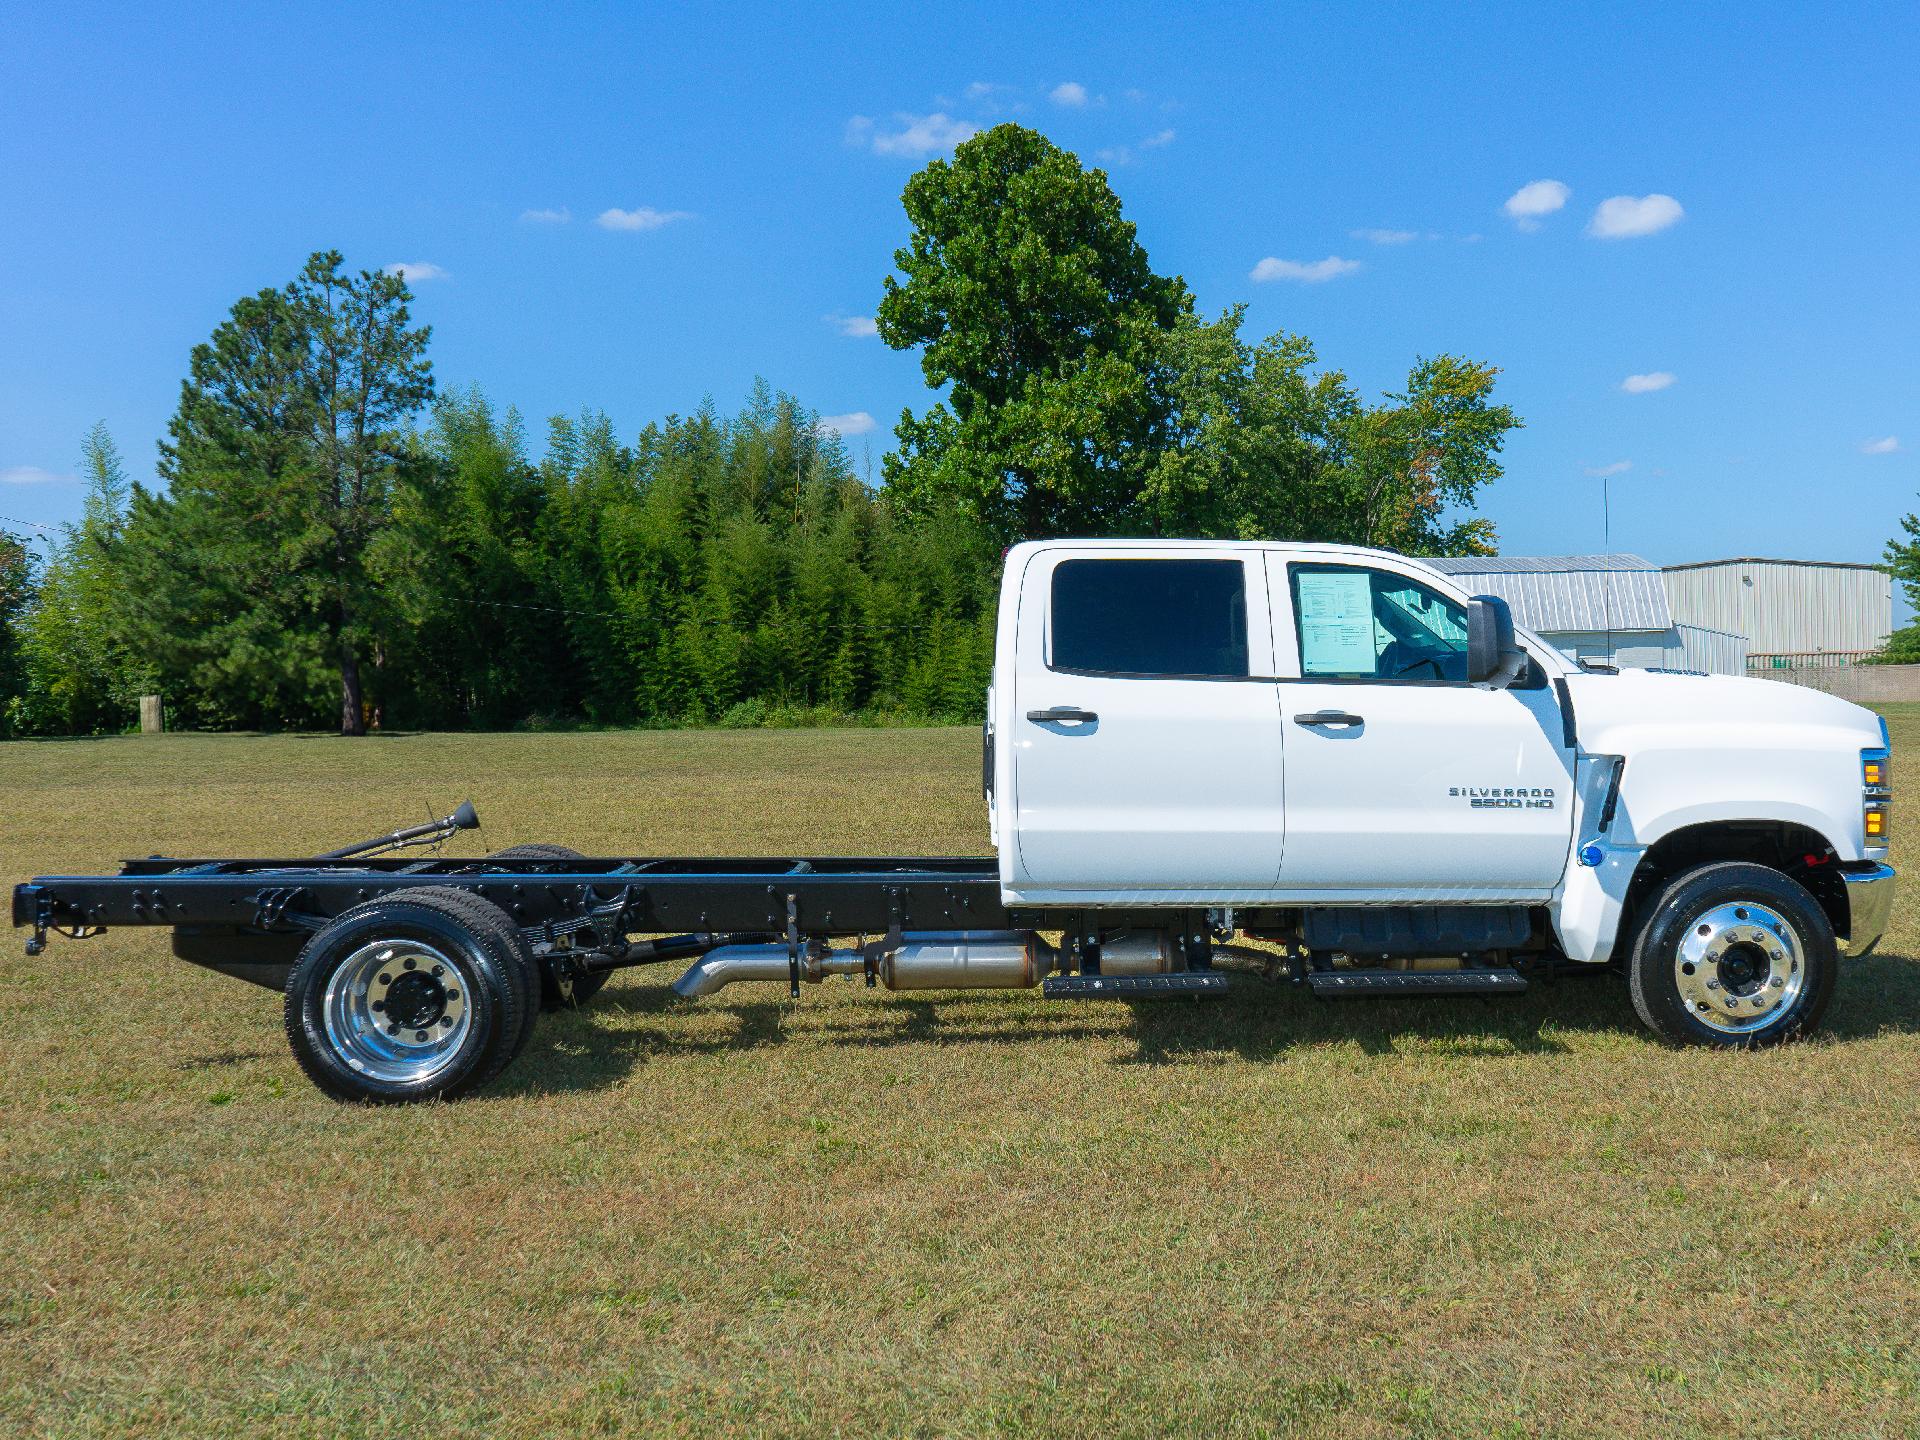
(924, 960)
(967, 960)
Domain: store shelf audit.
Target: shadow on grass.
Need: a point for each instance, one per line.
(1260, 1022)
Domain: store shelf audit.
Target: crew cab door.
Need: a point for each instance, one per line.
(1404, 781)
(1146, 753)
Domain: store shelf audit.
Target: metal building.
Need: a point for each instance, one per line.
(1794, 613)
(1600, 607)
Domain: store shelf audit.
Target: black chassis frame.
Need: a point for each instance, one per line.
(249, 917)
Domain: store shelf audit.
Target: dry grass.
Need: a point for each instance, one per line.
(1259, 1216)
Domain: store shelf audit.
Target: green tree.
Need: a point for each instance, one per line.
(82, 676)
(1084, 396)
(16, 595)
(1033, 304)
(1903, 564)
(250, 578)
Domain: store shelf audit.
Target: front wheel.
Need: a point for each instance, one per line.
(1734, 956)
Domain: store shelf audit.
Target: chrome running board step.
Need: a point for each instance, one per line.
(1334, 984)
(1125, 987)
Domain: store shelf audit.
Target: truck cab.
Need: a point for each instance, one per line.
(1342, 740)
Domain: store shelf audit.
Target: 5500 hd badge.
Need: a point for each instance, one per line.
(1495, 797)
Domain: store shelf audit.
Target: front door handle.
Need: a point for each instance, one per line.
(1328, 717)
(1062, 714)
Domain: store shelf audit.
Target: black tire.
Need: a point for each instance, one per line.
(1723, 938)
(587, 986)
(463, 949)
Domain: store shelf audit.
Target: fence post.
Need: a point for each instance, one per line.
(152, 717)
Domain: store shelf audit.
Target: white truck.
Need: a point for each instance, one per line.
(1335, 751)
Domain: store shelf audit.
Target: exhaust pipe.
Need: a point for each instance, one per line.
(730, 963)
(932, 960)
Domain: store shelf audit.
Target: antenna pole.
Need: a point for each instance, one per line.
(1606, 544)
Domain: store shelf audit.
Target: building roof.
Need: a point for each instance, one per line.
(1537, 564)
(1563, 593)
(1760, 560)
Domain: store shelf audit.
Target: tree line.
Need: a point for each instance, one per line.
(337, 542)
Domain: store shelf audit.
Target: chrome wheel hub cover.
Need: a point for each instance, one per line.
(1739, 967)
(397, 1010)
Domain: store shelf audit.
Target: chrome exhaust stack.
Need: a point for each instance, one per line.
(924, 960)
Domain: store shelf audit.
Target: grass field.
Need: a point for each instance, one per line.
(872, 1216)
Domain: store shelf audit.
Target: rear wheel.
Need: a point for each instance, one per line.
(1735, 956)
(421, 995)
(585, 987)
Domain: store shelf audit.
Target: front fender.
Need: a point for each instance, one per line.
(1669, 788)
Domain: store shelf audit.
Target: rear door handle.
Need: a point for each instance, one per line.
(1062, 714)
(1328, 717)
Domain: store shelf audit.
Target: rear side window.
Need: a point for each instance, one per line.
(1151, 617)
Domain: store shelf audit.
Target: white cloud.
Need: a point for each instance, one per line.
(1123, 154)
(1385, 237)
(547, 217)
(643, 218)
(917, 137)
(1646, 384)
(854, 327)
(1618, 467)
(1310, 272)
(32, 475)
(858, 423)
(1624, 216)
(1885, 445)
(981, 90)
(1071, 95)
(415, 271)
(1536, 198)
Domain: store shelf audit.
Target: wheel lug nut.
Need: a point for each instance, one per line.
(438, 972)
(379, 1005)
(1713, 984)
(393, 1029)
(385, 979)
(453, 994)
(447, 1020)
(419, 1034)
(407, 963)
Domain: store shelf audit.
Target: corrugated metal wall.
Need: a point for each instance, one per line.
(1714, 651)
(1785, 607)
(1684, 647)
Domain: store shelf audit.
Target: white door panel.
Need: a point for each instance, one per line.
(1439, 788)
(1175, 784)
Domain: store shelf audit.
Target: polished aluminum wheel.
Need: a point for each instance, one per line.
(1740, 967)
(398, 1010)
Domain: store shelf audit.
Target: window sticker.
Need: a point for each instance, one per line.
(1336, 624)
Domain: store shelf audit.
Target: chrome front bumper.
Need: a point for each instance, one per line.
(1869, 907)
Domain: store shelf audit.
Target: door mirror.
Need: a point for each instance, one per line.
(1494, 658)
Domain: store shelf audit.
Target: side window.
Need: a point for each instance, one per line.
(1359, 624)
(1150, 617)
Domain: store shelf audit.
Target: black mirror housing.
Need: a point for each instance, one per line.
(1494, 657)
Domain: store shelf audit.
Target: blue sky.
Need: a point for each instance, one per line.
(1738, 209)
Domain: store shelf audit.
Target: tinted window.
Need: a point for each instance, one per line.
(1355, 624)
(1150, 617)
